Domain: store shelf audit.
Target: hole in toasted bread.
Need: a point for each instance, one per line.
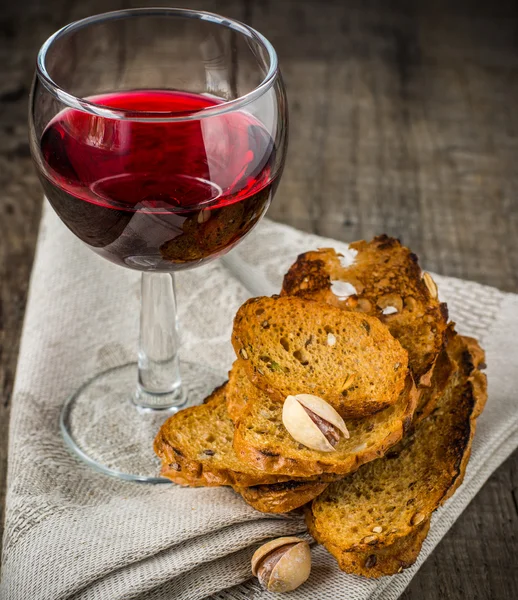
(301, 356)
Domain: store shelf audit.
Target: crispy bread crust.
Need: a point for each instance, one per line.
(239, 390)
(459, 353)
(386, 560)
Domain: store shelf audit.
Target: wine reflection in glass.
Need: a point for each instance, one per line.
(159, 136)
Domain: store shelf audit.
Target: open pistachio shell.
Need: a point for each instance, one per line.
(292, 570)
(302, 428)
(289, 571)
(269, 547)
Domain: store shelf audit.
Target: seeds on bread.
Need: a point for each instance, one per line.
(293, 346)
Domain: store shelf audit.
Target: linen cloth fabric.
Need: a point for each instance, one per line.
(74, 534)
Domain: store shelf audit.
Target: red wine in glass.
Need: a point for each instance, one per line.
(158, 195)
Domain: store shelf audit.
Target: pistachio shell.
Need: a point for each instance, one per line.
(269, 547)
(292, 569)
(301, 427)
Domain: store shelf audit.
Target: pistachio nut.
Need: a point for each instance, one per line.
(313, 422)
(282, 564)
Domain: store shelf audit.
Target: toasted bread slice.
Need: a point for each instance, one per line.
(388, 284)
(295, 346)
(261, 439)
(281, 497)
(374, 521)
(195, 446)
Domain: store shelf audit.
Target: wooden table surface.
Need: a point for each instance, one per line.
(404, 120)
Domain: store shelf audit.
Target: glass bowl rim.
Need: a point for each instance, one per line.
(91, 107)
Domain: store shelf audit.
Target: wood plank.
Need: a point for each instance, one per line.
(403, 120)
(477, 558)
(397, 135)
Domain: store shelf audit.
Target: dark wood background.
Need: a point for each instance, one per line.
(404, 120)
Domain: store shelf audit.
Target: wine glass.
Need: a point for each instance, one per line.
(159, 137)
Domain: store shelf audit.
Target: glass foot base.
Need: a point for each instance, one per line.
(104, 427)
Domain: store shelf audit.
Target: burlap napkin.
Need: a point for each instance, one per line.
(75, 534)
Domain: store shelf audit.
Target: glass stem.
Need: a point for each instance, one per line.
(159, 381)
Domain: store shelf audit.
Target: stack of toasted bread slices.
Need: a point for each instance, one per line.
(368, 339)
(375, 520)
